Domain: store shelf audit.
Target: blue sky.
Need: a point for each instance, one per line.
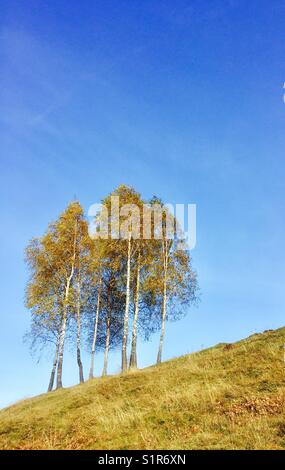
(179, 99)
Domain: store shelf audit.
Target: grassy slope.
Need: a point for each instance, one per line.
(223, 397)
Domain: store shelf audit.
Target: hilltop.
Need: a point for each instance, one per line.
(230, 396)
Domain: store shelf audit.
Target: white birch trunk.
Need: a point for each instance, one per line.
(164, 302)
(91, 372)
(61, 344)
(78, 319)
(126, 316)
(55, 359)
(64, 317)
(133, 357)
(105, 368)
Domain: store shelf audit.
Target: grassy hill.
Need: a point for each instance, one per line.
(228, 396)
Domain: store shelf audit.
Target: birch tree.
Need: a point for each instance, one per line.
(124, 228)
(98, 265)
(109, 324)
(53, 261)
(83, 284)
(113, 317)
(171, 279)
(44, 335)
(100, 286)
(133, 355)
(142, 309)
(44, 299)
(67, 233)
(95, 327)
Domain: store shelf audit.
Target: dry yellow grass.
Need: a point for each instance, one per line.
(226, 397)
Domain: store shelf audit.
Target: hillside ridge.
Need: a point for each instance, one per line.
(230, 396)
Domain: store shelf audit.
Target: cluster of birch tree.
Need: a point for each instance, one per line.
(103, 291)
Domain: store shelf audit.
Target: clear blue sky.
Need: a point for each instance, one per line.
(180, 99)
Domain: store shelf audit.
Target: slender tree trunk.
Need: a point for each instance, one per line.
(61, 347)
(164, 307)
(64, 319)
(91, 372)
(126, 317)
(105, 368)
(52, 375)
(133, 357)
(78, 318)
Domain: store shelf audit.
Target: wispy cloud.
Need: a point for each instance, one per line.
(33, 82)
